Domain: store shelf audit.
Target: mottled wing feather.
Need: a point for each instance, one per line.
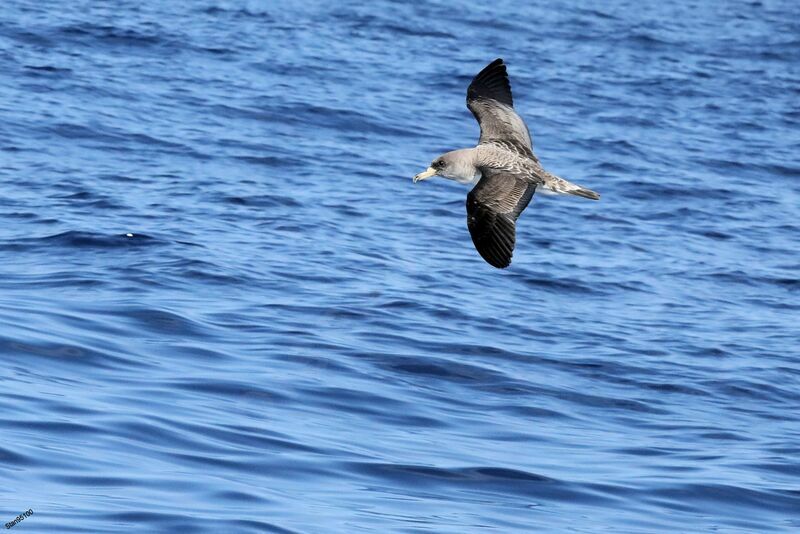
(489, 99)
(493, 207)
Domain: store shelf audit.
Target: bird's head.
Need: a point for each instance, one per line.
(456, 165)
(438, 166)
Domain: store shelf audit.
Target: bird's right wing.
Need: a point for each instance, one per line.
(489, 99)
(493, 207)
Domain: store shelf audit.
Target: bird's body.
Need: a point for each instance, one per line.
(503, 167)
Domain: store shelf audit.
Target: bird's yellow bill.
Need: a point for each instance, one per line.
(425, 175)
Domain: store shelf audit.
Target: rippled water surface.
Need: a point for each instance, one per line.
(224, 307)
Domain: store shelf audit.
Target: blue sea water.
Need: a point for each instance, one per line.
(224, 306)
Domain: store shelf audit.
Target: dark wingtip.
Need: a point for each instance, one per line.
(492, 82)
(495, 260)
(501, 265)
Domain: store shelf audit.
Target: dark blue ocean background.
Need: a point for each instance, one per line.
(224, 306)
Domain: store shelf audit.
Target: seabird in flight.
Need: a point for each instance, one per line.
(503, 166)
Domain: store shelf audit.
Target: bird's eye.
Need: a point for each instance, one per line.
(438, 164)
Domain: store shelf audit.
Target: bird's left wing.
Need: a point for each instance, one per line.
(490, 101)
(493, 207)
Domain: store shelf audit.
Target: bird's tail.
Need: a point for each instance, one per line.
(560, 186)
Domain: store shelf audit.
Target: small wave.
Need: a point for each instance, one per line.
(80, 239)
(108, 35)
